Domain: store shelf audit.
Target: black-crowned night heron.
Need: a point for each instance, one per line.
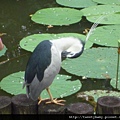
(45, 62)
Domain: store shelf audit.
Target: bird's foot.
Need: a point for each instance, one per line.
(55, 101)
(40, 100)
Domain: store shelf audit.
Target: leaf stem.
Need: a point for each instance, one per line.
(118, 64)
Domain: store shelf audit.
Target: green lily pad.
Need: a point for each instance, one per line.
(76, 3)
(113, 83)
(30, 42)
(111, 2)
(2, 52)
(106, 35)
(93, 63)
(62, 85)
(99, 93)
(57, 16)
(108, 19)
(119, 43)
(100, 10)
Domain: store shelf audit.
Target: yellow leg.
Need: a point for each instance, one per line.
(55, 101)
(40, 100)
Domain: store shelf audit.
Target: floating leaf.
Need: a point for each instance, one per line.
(113, 83)
(62, 85)
(93, 63)
(2, 52)
(111, 2)
(106, 35)
(100, 10)
(76, 3)
(108, 19)
(57, 16)
(30, 42)
(119, 43)
(99, 93)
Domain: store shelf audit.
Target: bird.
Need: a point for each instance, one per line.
(45, 63)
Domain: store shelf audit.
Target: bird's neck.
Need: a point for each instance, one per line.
(64, 43)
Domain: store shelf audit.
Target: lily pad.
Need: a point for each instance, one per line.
(30, 42)
(76, 3)
(111, 2)
(108, 19)
(113, 83)
(110, 13)
(99, 93)
(93, 63)
(101, 10)
(62, 85)
(57, 16)
(2, 52)
(106, 35)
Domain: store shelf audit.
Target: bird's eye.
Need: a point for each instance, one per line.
(71, 53)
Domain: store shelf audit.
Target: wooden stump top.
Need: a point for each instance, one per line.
(80, 108)
(4, 101)
(110, 101)
(51, 108)
(22, 100)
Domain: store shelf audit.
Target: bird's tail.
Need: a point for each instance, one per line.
(27, 89)
(34, 89)
(94, 26)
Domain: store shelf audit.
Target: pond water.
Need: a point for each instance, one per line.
(15, 22)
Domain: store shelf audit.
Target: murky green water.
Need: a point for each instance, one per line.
(15, 21)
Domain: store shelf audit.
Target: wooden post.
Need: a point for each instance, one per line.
(108, 105)
(44, 108)
(22, 105)
(5, 105)
(80, 108)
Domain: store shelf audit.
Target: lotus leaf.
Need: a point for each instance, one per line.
(76, 3)
(100, 10)
(106, 35)
(57, 16)
(108, 19)
(113, 83)
(61, 86)
(30, 42)
(111, 2)
(93, 63)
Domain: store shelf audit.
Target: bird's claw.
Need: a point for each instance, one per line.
(55, 101)
(40, 100)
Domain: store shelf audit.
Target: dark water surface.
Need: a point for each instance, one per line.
(15, 22)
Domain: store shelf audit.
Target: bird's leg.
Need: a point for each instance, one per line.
(55, 101)
(40, 100)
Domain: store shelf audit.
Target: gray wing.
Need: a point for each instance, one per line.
(37, 64)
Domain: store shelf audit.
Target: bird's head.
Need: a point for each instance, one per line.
(75, 50)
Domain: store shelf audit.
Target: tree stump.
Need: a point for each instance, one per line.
(5, 105)
(44, 108)
(80, 108)
(22, 105)
(108, 105)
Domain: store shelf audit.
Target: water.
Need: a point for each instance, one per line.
(15, 22)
